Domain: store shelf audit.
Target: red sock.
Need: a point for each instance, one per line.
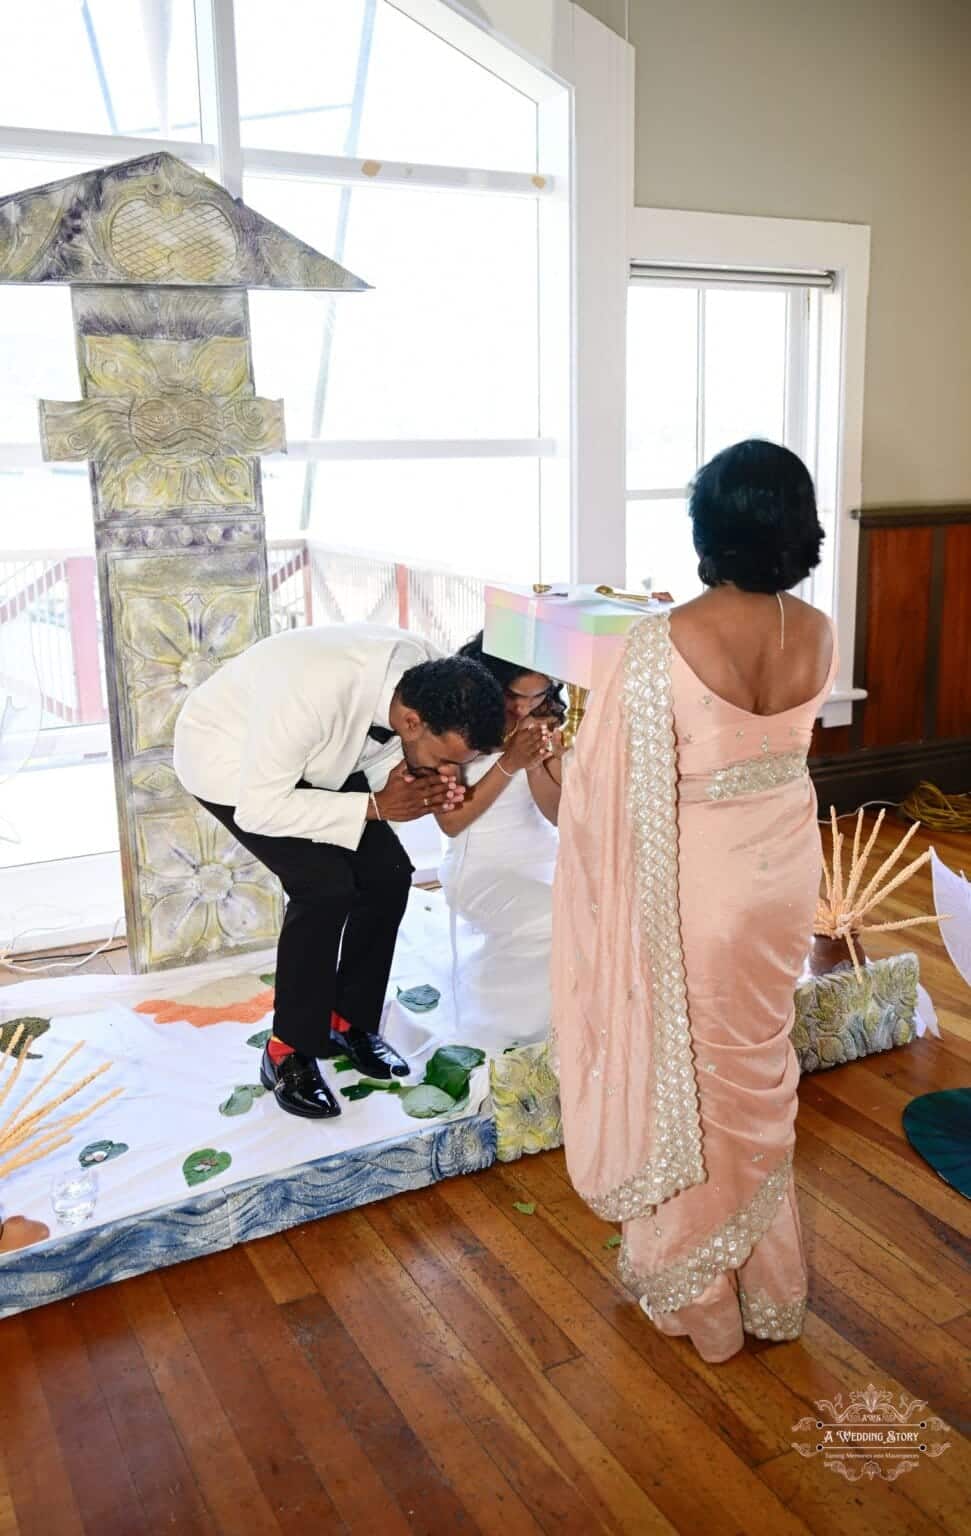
(277, 1049)
(338, 1023)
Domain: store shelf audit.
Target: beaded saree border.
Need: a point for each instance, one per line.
(728, 1247)
(765, 1318)
(676, 1163)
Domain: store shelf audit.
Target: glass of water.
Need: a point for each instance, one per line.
(74, 1195)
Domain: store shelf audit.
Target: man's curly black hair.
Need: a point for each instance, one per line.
(753, 511)
(456, 694)
(506, 673)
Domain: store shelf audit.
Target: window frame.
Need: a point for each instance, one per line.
(220, 154)
(581, 75)
(798, 407)
(691, 238)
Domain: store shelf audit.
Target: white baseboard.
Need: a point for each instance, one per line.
(61, 903)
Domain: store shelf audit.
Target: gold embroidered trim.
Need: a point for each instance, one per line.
(729, 1246)
(652, 803)
(755, 774)
(768, 1319)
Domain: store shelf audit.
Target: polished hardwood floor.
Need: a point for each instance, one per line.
(444, 1363)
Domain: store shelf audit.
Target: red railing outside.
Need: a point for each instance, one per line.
(50, 622)
(50, 635)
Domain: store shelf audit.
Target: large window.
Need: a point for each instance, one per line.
(712, 359)
(746, 327)
(356, 127)
(428, 425)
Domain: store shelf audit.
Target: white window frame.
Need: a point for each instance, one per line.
(799, 380)
(582, 77)
(733, 240)
(221, 156)
(586, 136)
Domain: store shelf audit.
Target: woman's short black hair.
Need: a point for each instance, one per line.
(754, 520)
(508, 672)
(456, 694)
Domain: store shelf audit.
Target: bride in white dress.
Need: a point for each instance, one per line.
(497, 872)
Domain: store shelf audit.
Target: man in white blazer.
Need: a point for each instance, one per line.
(306, 746)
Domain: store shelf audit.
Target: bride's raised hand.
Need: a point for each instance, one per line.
(527, 748)
(558, 748)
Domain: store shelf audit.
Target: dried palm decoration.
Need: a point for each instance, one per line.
(27, 1134)
(840, 914)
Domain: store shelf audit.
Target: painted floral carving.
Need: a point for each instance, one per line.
(201, 890)
(172, 646)
(841, 1016)
(525, 1102)
(153, 220)
(169, 423)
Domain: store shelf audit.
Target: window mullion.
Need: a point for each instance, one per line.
(796, 403)
(700, 383)
(219, 88)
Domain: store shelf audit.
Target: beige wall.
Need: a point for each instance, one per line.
(856, 110)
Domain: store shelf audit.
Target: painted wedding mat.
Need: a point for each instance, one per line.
(194, 1156)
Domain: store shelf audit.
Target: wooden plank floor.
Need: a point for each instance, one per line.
(442, 1363)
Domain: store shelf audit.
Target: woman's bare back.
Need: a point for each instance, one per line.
(732, 641)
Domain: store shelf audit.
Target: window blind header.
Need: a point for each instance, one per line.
(731, 277)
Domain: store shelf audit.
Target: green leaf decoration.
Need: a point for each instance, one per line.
(614, 1241)
(240, 1101)
(101, 1152)
(419, 999)
(525, 1207)
(468, 1056)
(368, 1085)
(204, 1164)
(342, 1064)
(451, 1067)
(357, 1091)
(260, 1040)
(938, 1126)
(426, 1101)
(33, 1029)
(269, 980)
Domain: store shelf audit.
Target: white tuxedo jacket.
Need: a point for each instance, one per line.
(298, 705)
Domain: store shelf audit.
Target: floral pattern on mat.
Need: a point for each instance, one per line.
(231, 1000)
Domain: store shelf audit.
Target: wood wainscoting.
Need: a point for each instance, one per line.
(913, 656)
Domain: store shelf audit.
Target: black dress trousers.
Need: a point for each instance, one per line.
(344, 909)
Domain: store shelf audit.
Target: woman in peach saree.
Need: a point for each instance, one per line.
(689, 869)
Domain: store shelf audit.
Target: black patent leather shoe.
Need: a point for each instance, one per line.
(370, 1054)
(296, 1084)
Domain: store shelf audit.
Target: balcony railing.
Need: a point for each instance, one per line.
(50, 620)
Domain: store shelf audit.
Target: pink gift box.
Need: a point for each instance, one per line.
(575, 638)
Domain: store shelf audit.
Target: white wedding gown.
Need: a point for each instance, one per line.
(497, 876)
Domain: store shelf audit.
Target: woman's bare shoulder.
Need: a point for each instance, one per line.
(811, 614)
(811, 623)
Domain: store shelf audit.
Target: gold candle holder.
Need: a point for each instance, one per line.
(576, 704)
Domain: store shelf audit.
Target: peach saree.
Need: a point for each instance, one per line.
(689, 868)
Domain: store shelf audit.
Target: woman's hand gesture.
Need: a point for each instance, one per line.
(529, 746)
